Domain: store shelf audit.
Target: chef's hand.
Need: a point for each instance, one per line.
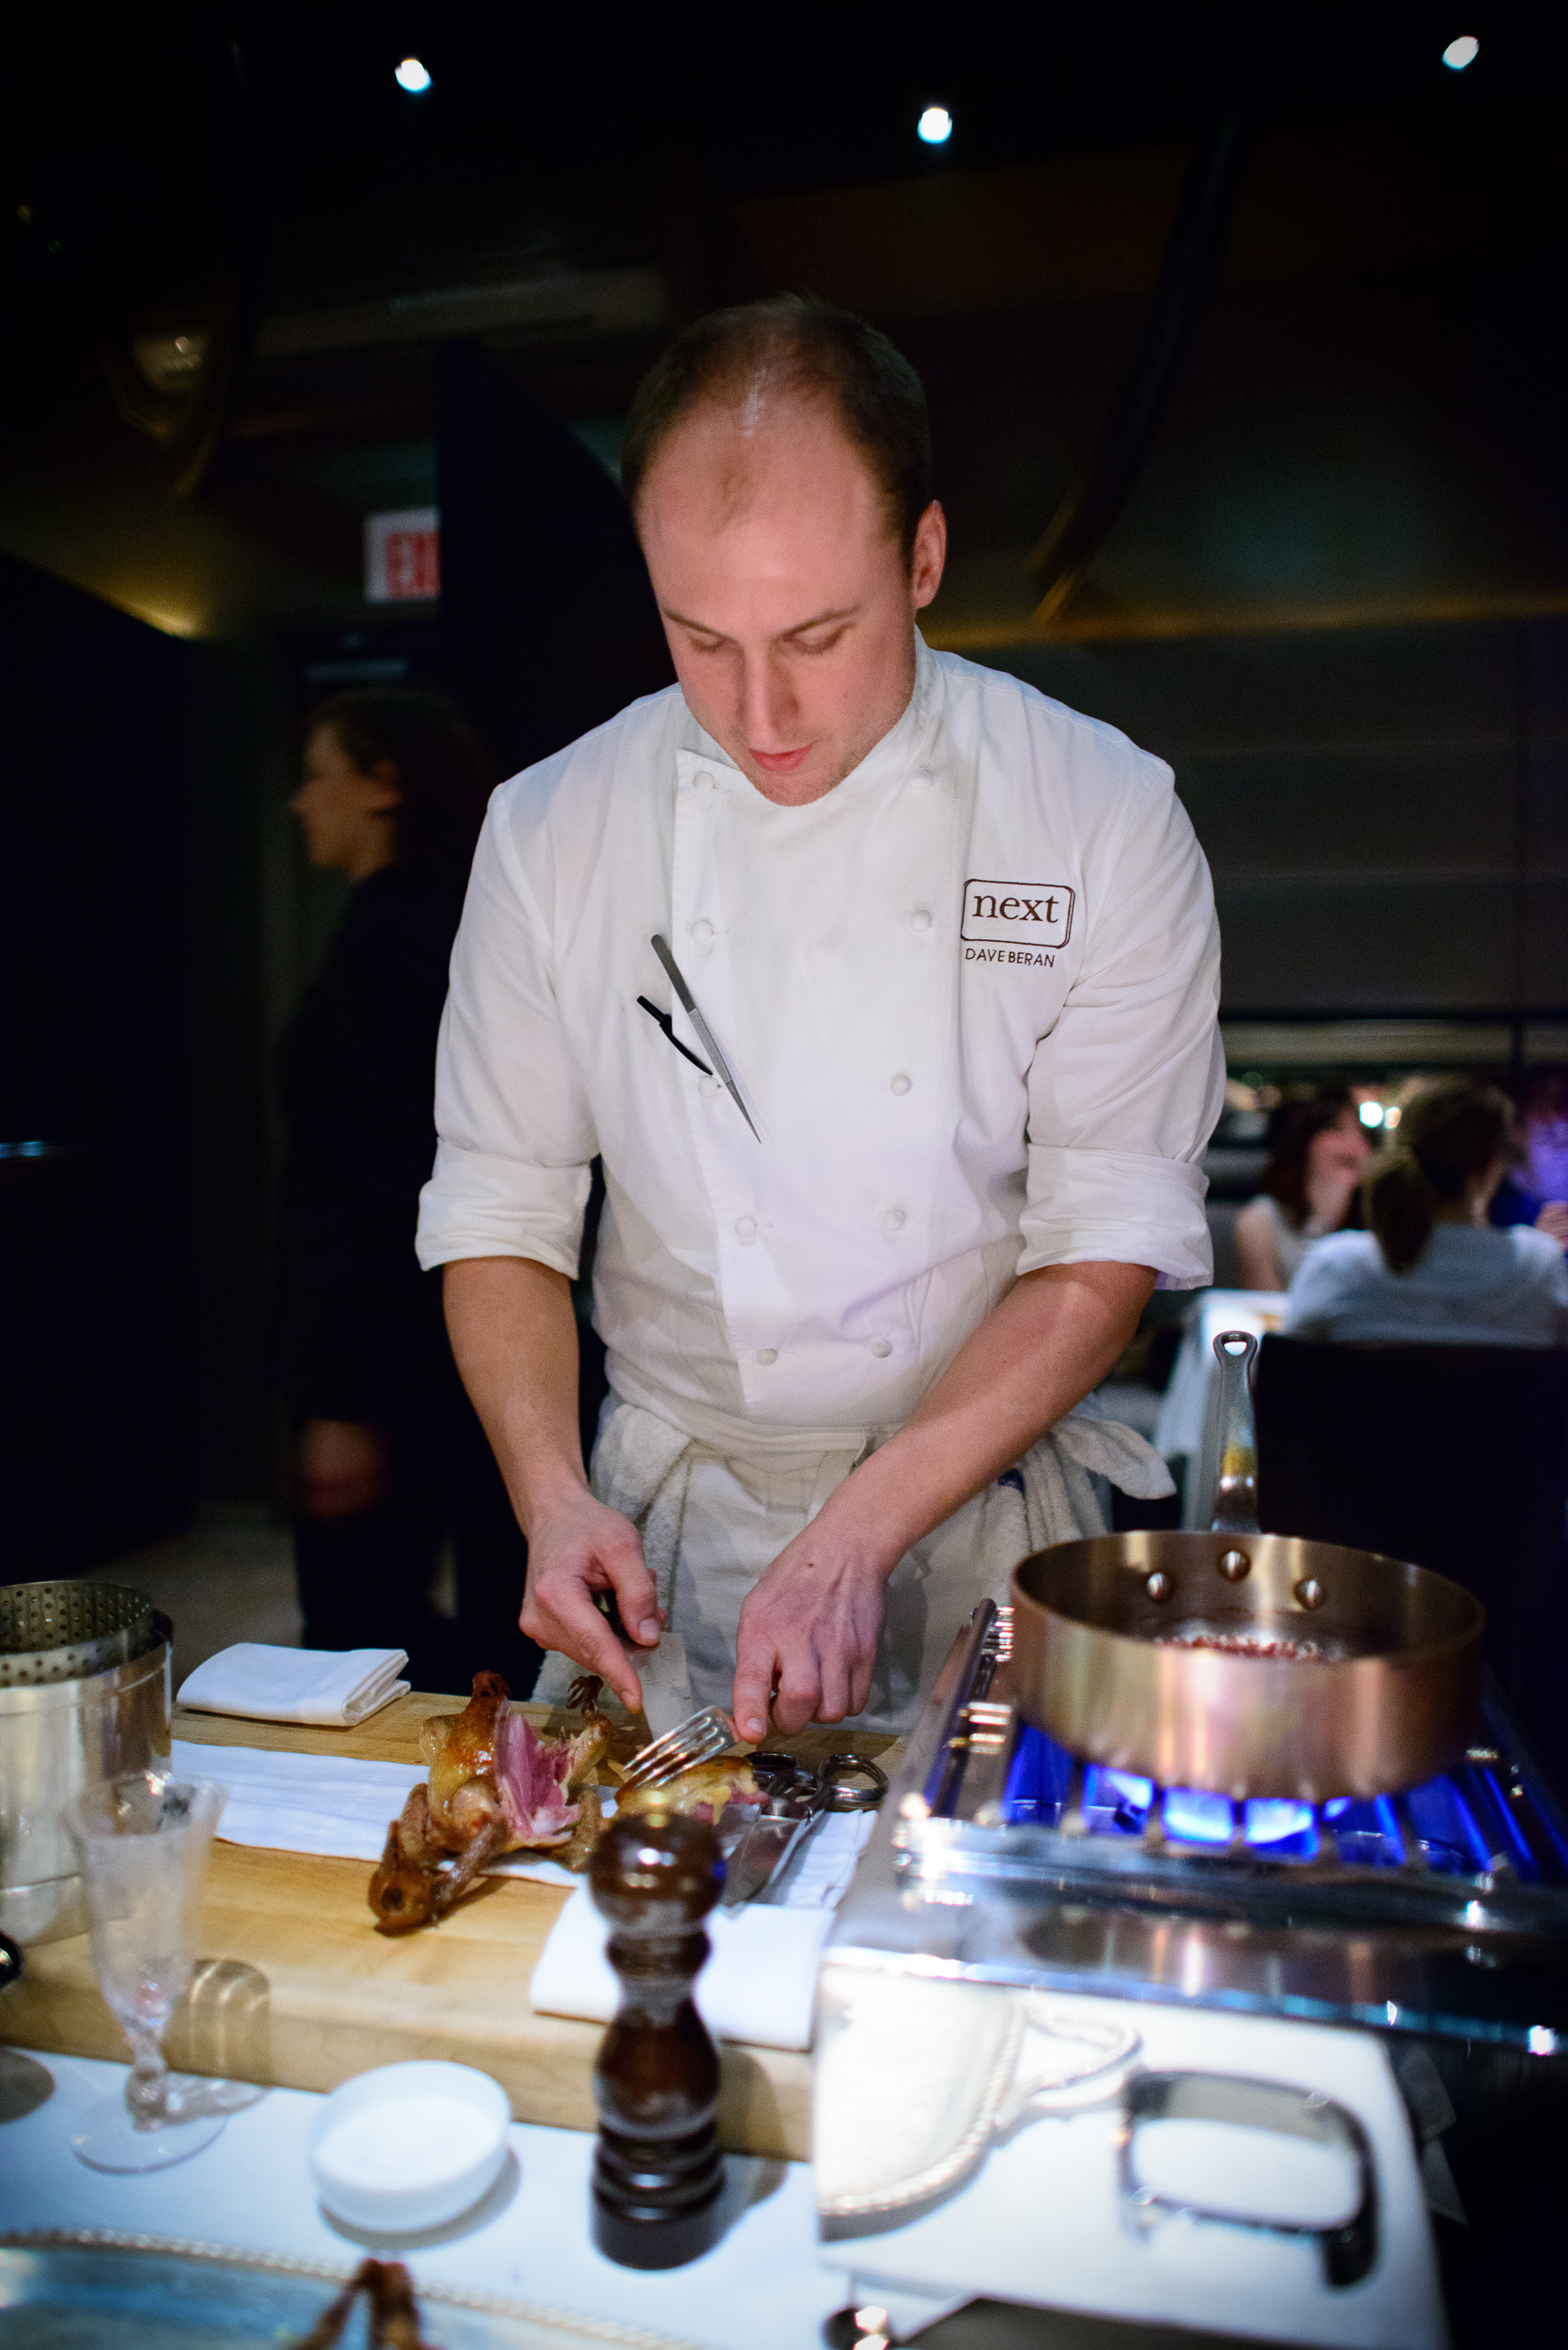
(809, 1629)
(578, 1547)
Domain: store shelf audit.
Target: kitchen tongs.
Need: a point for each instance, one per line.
(797, 1801)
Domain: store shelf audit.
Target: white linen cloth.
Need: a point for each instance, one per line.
(711, 1525)
(332, 1689)
(1472, 1286)
(970, 998)
(759, 1982)
(327, 1804)
(758, 1985)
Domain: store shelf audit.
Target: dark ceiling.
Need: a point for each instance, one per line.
(1367, 418)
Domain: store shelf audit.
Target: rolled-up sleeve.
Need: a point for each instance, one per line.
(1125, 1091)
(515, 1135)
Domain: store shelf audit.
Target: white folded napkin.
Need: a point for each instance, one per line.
(758, 1985)
(321, 1803)
(332, 1689)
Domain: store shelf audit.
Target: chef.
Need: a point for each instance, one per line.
(886, 989)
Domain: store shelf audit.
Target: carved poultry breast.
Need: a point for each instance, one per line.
(495, 1786)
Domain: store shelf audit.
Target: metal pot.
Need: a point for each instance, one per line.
(70, 1631)
(1373, 1685)
(57, 1736)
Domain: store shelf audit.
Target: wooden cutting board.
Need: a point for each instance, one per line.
(297, 1989)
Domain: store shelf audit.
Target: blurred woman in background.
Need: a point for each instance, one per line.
(390, 1462)
(1318, 1153)
(1432, 1267)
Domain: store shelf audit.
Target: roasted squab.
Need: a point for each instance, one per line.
(495, 1786)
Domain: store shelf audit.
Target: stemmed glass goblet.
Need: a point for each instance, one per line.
(143, 1842)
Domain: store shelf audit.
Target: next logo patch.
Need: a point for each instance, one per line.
(1017, 914)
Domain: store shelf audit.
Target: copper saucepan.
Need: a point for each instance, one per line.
(1243, 1663)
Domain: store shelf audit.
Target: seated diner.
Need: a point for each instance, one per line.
(1432, 1267)
(1318, 1152)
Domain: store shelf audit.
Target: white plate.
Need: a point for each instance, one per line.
(408, 2146)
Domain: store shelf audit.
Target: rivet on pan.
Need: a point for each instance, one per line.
(1158, 1585)
(1310, 1591)
(1233, 1565)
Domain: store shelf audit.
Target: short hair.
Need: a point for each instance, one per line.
(444, 778)
(817, 353)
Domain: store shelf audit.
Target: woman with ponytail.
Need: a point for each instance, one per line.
(1431, 1267)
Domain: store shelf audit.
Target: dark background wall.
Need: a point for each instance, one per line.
(96, 1257)
(1384, 810)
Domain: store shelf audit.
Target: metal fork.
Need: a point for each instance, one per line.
(698, 1739)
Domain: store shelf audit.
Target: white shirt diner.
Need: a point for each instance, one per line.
(1471, 1286)
(969, 997)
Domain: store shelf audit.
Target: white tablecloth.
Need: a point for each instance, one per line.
(761, 2288)
(331, 1804)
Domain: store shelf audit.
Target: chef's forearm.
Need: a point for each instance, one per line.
(514, 1336)
(1035, 1356)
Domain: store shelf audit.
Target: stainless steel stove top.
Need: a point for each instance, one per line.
(1000, 1857)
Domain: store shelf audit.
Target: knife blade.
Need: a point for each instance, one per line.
(762, 1852)
(688, 1002)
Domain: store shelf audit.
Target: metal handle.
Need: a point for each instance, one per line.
(1237, 1489)
(837, 1779)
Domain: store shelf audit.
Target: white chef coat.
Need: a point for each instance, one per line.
(969, 996)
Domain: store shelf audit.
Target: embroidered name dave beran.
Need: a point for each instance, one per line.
(1008, 921)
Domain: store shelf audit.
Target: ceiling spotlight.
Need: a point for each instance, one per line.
(412, 76)
(935, 126)
(1461, 52)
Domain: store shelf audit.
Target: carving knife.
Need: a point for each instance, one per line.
(766, 1846)
(661, 947)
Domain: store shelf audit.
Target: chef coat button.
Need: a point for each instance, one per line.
(745, 1230)
(766, 1355)
(892, 1219)
(925, 776)
(702, 934)
(901, 1084)
(920, 920)
(704, 782)
(881, 1347)
(708, 1088)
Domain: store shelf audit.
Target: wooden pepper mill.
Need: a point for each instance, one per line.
(657, 2172)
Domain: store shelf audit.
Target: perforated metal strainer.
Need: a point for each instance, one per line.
(70, 1631)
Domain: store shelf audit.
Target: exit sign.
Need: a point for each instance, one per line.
(402, 556)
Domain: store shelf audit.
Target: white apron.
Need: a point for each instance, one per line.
(712, 1523)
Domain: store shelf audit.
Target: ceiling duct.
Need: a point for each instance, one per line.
(572, 303)
(1088, 512)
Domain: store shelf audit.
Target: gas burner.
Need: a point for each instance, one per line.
(1441, 1909)
(1479, 1822)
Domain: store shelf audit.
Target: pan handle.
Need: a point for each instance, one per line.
(1236, 1490)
